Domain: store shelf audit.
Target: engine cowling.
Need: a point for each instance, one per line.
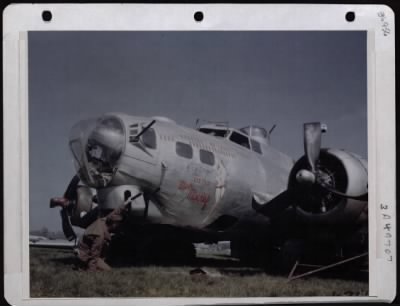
(342, 171)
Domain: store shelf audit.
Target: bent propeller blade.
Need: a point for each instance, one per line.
(312, 142)
(70, 192)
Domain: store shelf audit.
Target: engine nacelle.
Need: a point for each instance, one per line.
(344, 172)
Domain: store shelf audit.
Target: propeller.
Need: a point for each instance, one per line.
(312, 148)
(307, 178)
(312, 143)
(70, 194)
(361, 197)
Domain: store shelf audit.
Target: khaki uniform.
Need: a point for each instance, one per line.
(92, 246)
(94, 242)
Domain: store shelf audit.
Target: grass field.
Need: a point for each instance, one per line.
(52, 276)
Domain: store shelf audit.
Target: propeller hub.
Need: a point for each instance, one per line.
(305, 177)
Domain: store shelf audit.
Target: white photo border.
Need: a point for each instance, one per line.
(377, 20)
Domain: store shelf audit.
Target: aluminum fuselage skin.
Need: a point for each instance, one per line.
(191, 192)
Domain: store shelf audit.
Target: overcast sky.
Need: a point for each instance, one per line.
(264, 78)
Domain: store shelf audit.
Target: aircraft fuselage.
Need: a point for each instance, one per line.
(200, 177)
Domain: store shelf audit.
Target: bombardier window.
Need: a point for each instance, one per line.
(240, 140)
(76, 151)
(207, 157)
(255, 146)
(184, 150)
(103, 149)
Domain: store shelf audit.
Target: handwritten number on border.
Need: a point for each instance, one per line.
(387, 232)
(385, 27)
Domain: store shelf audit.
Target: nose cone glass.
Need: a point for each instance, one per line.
(97, 146)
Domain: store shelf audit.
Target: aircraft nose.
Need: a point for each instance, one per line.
(97, 146)
(106, 142)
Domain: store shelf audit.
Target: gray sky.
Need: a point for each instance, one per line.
(263, 78)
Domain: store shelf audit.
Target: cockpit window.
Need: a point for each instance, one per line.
(214, 132)
(240, 139)
(255, 146)
(149, 139)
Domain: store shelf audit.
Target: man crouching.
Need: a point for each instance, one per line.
(93, 245)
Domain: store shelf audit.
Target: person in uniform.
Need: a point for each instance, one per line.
(93, 245)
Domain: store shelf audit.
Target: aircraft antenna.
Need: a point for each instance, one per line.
(271, 129)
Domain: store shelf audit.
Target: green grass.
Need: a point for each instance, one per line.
(52, 276)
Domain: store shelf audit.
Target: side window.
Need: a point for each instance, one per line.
(256, 147)
(240, 140)
(133, 129)
(207, 157)
(149, 139)
(184, 150)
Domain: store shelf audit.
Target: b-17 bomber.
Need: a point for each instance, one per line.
(218, 183)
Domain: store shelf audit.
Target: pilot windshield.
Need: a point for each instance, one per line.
(97, 150)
